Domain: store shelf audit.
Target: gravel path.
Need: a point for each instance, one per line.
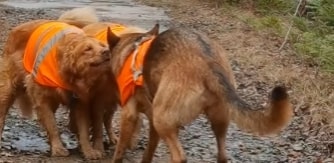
(25, 141)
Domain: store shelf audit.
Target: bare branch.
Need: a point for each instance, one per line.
(290, 27)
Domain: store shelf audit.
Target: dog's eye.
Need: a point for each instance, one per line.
(89, 48)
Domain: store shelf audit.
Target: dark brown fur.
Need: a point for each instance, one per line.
(187, 74)
(103, 104)
(82, 61)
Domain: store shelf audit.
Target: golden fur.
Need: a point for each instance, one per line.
(79, 17)
(187, 74)
(104, 98)
(83, 62)
(107, 96)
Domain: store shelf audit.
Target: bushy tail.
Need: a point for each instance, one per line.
(79, 17)
(266, 121)
(263, 121)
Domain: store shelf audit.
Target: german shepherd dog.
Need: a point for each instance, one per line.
(184, 75)
(78, 64)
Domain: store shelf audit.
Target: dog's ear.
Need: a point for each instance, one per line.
(112, 39)
(154, 31)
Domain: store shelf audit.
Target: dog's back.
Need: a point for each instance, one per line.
(188, 52)
(19, 36)
(191, 73)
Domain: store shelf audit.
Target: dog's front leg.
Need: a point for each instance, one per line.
(46, 117)
(81, 113)
(97, 123)
(129, 118)
(108, 116)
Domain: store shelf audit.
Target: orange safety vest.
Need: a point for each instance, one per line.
(130, 75)
(41, 50)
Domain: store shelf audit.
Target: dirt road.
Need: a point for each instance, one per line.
(251, 54)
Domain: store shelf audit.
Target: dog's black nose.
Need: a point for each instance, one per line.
(106, 52)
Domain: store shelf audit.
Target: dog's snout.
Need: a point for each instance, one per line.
(105, 52)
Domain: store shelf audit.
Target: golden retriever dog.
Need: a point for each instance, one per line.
(107, 97)
(175, 76)
(46, 63)
(103, 98)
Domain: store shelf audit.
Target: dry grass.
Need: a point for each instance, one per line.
(311, 90)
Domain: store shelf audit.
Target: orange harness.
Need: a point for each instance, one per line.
(40, 56)
(130, 75)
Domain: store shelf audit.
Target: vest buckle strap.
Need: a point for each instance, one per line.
(137, 72)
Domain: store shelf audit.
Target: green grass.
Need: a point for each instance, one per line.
(320, 48)
(311, 36)
(277, 7)
(269, 23)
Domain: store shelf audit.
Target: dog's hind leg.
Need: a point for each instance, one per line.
(168, 131)
(10, 83)
(151, 145)
(129, 118)
(7, 97)
(219, 117)
(81, 113)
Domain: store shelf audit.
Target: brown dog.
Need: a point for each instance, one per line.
(103, 98)
(184, 74)
(43, 70)
(107, 96)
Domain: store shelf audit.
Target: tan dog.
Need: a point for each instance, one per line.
(104, 99)
(73, 66)
(186, 74)
(107, 97)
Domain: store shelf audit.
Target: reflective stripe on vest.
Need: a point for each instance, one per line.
(40, 56)
(47, 47)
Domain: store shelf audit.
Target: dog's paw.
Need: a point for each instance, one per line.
(59, 152)
(119, 160)
(99, 146)
(93, 154)
(132, 144)
(113, 139)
